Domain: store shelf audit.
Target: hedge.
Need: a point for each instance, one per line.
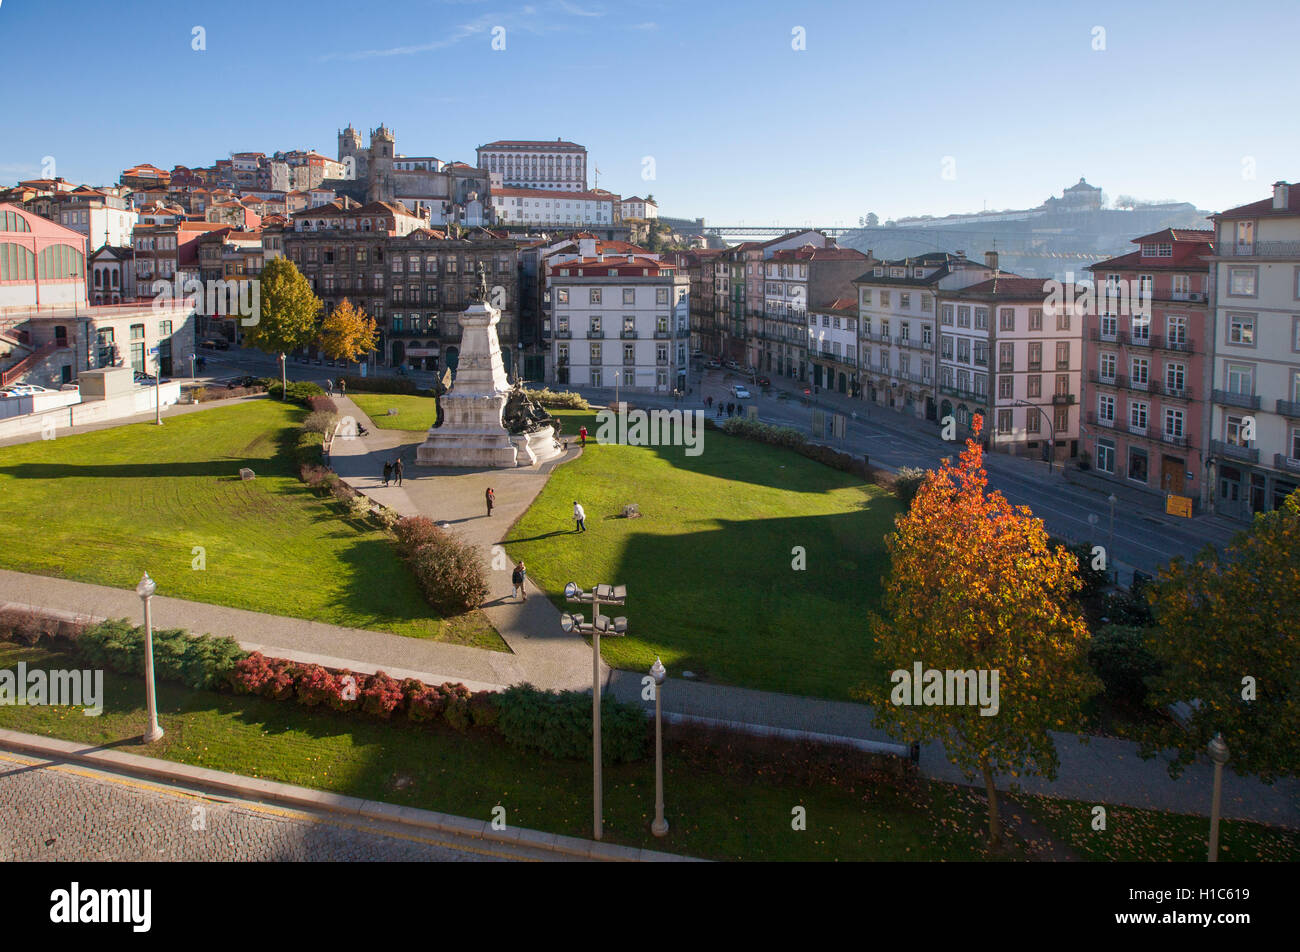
(792, 439)
(300, 391)
(198, 662)
(562, 399)
(309, 448)
(383, 385)
(558, 724)
(449, 570)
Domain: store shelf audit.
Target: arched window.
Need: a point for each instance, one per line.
(16, 262)
(13, 221)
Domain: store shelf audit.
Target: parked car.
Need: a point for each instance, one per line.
(148, 379)
(215, 343)
(732, 365)
(764, 381)
(714, 365)
(23, 390)
(740, 392)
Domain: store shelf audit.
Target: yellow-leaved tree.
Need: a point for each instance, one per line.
(975, 586)
(348, 332)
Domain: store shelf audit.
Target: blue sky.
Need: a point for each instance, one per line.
(1183, 102)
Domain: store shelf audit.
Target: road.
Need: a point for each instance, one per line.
(62, 812)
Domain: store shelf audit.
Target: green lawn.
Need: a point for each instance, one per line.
(413, 412)
(106, 506)
(1143, 836)
(709, 564)
(712, 815)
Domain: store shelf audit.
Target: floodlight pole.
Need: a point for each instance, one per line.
(597, 811)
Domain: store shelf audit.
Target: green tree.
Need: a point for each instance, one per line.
(1229, 637)
(975, 584)
(288, 309)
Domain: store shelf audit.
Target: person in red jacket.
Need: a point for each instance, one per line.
(582, 435)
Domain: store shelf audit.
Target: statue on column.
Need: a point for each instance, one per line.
(479, 294)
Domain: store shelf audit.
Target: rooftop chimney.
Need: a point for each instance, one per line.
(991, 260)
(1281, 195)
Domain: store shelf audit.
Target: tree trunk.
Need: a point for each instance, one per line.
(995, 828)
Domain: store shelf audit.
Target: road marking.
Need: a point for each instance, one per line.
(283, 812)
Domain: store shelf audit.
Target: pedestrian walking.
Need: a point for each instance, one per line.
(397, 470)
(492, 501)
(388, 472)
(579, 518)
(517, 579)
(343, 387)
(582, 435)
(709, 401)
(329, 387)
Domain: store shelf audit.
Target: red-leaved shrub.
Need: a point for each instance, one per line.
(251, 673)
(456, 713)
(423, 702)
(315, 685)
(414, 532)
(381, 695)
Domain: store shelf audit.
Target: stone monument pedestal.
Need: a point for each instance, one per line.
(472, 435)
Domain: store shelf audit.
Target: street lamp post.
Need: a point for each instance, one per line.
(600, 595)
(157, 391)
(1219, 755)
(284, 382)
(145, 590)
(193, 359)
(660, 826)
(1110, 548)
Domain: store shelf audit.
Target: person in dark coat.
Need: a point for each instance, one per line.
(517, 579)
(491, 501)
(397, 470)
(388, 472)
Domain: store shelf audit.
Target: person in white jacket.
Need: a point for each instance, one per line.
(579, 518)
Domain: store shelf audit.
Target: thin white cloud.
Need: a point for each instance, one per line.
(648, 25)
(576, 11)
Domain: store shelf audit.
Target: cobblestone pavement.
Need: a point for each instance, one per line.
(59, 812)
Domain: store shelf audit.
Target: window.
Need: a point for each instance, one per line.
(595, 324)
(595, 354)
(1106, 370)
(596, 378)
(593, 296)
(629, 295)
(1106, 456)
(1062, 355)
(945, 315)
(1174, 423)
(562, 323)
(884, 299)
(1139, 369)
(925, 298)
(1234, 431)
(1241, 379)
(1108, 327)
(1006, 356)
(945, 347)
(1007, 319)
(866, 295)
(661, 353)
(963, 350)
(1175, 377)
(1006, 387)
(1034, 385)
(1004, 421)
(562, 354)
(1035, 318)
(1035, 355)
(1137, 464)
(1106, 409)
(1033, 421)
(1241, 329)
(1241, 282)
(981, 353)
(981, 318)
(1062, 385)
(1176, 329)
(1063, 319)
(963, 315)
(629, 353)
(904, 302)
(927, 335)
(1137, 416)
(1060, 419)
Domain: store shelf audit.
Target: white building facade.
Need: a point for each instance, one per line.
(522, 163)
(537, 207)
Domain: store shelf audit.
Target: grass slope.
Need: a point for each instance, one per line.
(413, 412)
(106, 506)
(709, 566)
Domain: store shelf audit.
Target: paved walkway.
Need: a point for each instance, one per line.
(1103, 771)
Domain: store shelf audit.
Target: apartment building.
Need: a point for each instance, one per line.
(620, 320)
(1010, 354)
(1146, 389)
(833, 345)
(1255, 423)
(553, 208)
(897, 319)
(414, 281)
(792, 278)
(112, 275)
(167, 253)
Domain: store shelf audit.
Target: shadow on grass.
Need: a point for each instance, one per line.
(227, 468)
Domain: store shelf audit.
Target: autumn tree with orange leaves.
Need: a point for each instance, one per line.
(348, 332)
(975, 585)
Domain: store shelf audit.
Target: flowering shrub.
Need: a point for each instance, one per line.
(314, 685)
(344, 691)
(381, 695)
(450, 574)
(423, 702)
(250, 674)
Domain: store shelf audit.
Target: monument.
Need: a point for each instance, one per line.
(473, 431)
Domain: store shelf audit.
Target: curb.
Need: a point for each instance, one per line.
(287, 794)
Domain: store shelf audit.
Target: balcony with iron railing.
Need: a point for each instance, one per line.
(1283, 462)
(1063, 399)
(1247, 401)
(663, 333)
(909, 342)
(626, 334)
(594, 333)
(875, 338)
(1257, 249)
(1289, 408)
(1246, 454)
(1096, 420)
(564, 333)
